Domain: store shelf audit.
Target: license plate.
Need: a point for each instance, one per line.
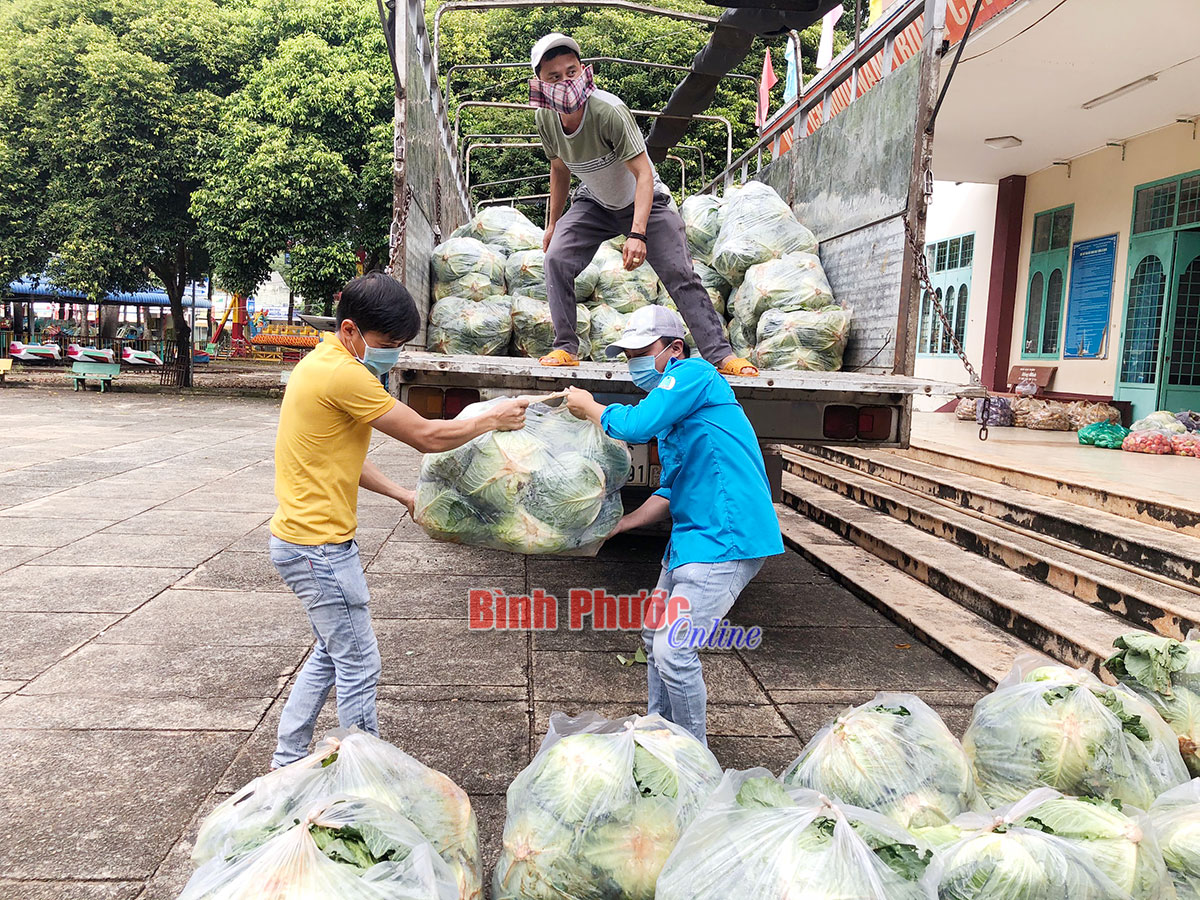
(641, 473)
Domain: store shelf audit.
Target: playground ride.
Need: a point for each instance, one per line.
(34, 352)
(133, 357)
(89, 354)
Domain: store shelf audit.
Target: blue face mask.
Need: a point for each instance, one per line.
(378, 359)
(644, 372)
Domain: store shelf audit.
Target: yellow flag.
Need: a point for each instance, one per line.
(876, 11)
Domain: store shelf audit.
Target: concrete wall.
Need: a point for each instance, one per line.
(961, 209)
(1101, 186)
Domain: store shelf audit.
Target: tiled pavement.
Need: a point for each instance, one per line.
(150, 643)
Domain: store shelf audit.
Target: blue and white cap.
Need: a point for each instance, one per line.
(644, 327)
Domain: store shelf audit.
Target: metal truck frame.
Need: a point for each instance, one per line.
(855, 180)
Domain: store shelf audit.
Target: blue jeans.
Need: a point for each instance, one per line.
(673, 674)
(329, 580)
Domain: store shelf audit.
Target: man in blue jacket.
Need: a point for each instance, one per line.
(714, 488)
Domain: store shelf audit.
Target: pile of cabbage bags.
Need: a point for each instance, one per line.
(356, 819)
(1166, 673)
(619, 288)
(596, 813)
(1050, 726)
(810, 340)
(550, 487)
(756, 225)
(533, 328)
(757, 838)
(607, 326)
(465, 267)
(471, 327)
(502, 227)
(893, 755)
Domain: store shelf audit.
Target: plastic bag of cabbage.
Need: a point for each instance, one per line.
(1166, 674)
(1062, 728)
(756, 838)
(502, 226)
(793, 282)
(714, 282)
(1175, 816)
(1050, 847)
(607, 325)
(533, 328)
(465, 267)
(471, 327)
(348, 848)
(701, 214)
(551, 487)
(756, 225)
(354, 765)
(808, 339)
(598, 810)
(623, 290)
(893, 755)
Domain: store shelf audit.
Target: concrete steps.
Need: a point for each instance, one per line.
(980, 648)
(1171, 554)
(984, 571)
(1151, 603)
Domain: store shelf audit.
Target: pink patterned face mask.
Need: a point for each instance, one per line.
(565, 97)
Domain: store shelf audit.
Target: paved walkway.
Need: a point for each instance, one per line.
(150, 643)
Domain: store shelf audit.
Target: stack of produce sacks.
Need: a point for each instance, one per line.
(757, 838)
(965, 410)
(550, 487)
(599, 809)
(785, 308)
(1175, 816)
(1047, 415)
(525, 274)
(1050, 726)
(894, 756)
(503, 227)
(606, 326)
(1154, 434)
(465, 267)
(1166, 673)
(262, 843)
(1082, 413)
(1046, 846)
(618, 287)
(701, 214)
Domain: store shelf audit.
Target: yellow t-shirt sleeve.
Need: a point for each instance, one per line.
(358, 393)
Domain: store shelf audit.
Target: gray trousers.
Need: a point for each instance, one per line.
(579, 234)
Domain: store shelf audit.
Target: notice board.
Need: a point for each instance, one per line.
(1089, 299)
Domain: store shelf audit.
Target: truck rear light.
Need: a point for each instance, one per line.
(427, 401)
(840, 423)
(875, 423)
(458, 399)
(654, 460)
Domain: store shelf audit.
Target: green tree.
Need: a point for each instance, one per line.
(302, 154)
(102, 104)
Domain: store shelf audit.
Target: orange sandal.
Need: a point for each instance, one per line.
(735, 365)
(559, 358)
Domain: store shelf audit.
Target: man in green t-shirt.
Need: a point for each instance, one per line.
(591, 134)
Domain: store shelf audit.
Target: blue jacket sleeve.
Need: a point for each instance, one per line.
(664, 492)
(662, 408)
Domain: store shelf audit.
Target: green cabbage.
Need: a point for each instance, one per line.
(597, 812)
(525, 274)
(792, 282)
(1069, 731)
(893, 755)
(809, 340)
(1166, 674)
(607, 325)
(741, 338)
(585, 283)
(1175, 816)
(550, 487)
(665, 300)
(533, 328)
(1117, 845)
(471, 327)
(473, 286)
(756, 838)
(718, 288)
(461, 256)
(701, 214)
(756, 225)
(355, 765)
(623, 290)
(502, 226)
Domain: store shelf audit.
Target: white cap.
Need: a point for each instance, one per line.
(644, 327)
(548, 43)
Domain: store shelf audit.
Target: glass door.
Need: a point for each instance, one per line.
(1181, 388)
(1150, 261)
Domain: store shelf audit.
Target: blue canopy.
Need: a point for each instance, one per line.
(42, 287)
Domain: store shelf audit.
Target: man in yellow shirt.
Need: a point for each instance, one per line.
(332, 402)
